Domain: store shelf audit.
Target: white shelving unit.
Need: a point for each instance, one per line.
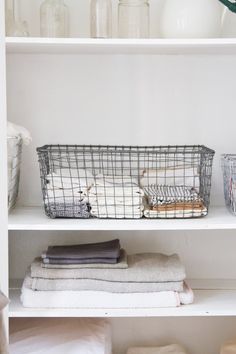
(121, 46)
(33, 218)
(129, 92)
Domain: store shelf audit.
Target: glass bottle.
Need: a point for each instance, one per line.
(133, 19)
(15, 27)
(54, 19)
(101, 19)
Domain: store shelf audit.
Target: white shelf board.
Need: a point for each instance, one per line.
(36, 45)
(33, 218)
(207, 303)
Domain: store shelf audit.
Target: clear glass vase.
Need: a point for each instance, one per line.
(54, 19)
(15, 27)
(133, 19)
(101, 19)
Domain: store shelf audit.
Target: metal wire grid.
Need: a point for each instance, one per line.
(228, 163)
(112, 181)
(14, 150)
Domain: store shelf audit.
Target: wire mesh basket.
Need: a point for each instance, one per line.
(14, 150)
(125, 182)
(228, 163)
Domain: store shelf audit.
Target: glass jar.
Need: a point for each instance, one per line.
(54, 17)
(101, 19)
(15, 27)
(133, 19)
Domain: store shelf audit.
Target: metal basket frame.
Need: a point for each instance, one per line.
(109, 164)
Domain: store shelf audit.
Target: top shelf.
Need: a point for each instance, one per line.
(161, 46)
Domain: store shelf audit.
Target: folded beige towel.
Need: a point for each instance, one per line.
(169, 349)
(143, 267)
(229, 348)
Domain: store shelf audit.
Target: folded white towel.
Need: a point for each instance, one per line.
(117, 200)
(53, 336)
(70, 179)
(66, 195)
(175, 176)
(169, 349)
(123, 180)
(113, 190)
(14, 131)
(100, 299)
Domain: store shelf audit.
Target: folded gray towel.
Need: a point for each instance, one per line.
(109, 249)
(143, 267)
(97, 263)
(40, 284)
(67, 261)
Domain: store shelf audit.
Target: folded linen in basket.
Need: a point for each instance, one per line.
(74, 209)
(66, 178)
(169, 349)
(66, 195)
(184, 211)
(60, 336)
(142, 267)
(119, 192)
(100, 299)
(172, 176)
(107, 249)
(117, 211)
(42, 284)
(97, 263)
(116, 180)
(160, 194)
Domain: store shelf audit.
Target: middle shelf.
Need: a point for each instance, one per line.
(33, 218)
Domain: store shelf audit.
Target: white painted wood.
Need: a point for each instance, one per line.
(121, 46)
(34, 218)
(3, 160)
(207, 303)
(115, 97)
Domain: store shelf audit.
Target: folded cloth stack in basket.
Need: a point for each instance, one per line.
(3, 339)
(116, 197)
(60, 336)
(66, 192)
(138, 280)
(169, 349)
(172, 192)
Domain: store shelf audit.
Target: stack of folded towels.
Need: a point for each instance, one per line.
(116, 197)
(169, 349)
(102, 275)
(66, 192)
(172, 193)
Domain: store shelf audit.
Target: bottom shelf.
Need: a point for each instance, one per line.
(207, 303)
